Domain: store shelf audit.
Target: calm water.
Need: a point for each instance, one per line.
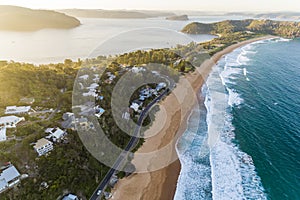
(52, 45)
(252, 104)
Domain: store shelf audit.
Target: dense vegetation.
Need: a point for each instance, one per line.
(50, 85)
(284, 29)
(24, 19)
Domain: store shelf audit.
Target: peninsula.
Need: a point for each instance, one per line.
(13, 18)
(178, 18)
(117, 14)
(279, 28)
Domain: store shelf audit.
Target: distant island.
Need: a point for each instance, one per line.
(13, 18)
(119, 14)
(178, 18)
(278, 28)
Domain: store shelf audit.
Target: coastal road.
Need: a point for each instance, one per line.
(119, 163)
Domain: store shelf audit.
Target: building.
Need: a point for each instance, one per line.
(9, 177)
(17, 110)
(84, 77)
(10, 121)
(70, 197)
(69, 121)
(55, 133)
(99, 111)
(160, 86)
(43, 146)
(138, 69)
(2, 134)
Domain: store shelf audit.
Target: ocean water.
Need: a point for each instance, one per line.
(52, 45)
(251, 124)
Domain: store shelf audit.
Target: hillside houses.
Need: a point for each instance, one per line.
(69, 121)
(17, 110)
(55, 134)
(43, 146)
(10, 121)
(9, 177)
(110, 79)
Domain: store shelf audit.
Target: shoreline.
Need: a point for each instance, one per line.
(170, 123)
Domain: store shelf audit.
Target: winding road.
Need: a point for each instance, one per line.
(119, 163)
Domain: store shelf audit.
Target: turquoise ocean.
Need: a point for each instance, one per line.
(251, 118)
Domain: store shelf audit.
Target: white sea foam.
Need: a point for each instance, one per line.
(232, 171)
(194, 181)
(226, 171)
(234, 99)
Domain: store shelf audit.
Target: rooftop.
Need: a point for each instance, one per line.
(9, 174)
(41, 142)
(10, 119)
(15, 109)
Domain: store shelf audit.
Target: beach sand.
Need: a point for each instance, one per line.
(159, 180)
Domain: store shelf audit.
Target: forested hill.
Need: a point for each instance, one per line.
(13, 18)
(280, 28)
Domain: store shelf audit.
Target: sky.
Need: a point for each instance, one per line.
(201, 5)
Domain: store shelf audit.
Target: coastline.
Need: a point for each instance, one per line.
(170, 123)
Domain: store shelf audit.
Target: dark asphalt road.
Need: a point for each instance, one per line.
(129, 146)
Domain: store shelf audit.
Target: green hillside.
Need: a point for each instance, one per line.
(284, 29)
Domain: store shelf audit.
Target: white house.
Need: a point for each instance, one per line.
(84, 77)
(43, 146)
(90, 93)
(70, 197)
(17, 110)
(138, 69)
(2, 134)
(135, 106)
(55, 133)
(160, 86)
(10, 121)
(9, 177)
(93, 86)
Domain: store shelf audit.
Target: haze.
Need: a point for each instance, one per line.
(201, 5)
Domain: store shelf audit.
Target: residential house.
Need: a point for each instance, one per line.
(10, 121)
(136, 105)
(83, 122)
(93, 86)
(55, 133)
(69, 121)
(110, 79)
(84, 77)
(99, 111)
(138, 69)
(17, 110)
(43, 146)
(90, 93)
(2, 134)
(160, 86)
(70, 197)
(9, 177)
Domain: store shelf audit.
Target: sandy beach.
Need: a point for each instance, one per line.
(161, 168)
